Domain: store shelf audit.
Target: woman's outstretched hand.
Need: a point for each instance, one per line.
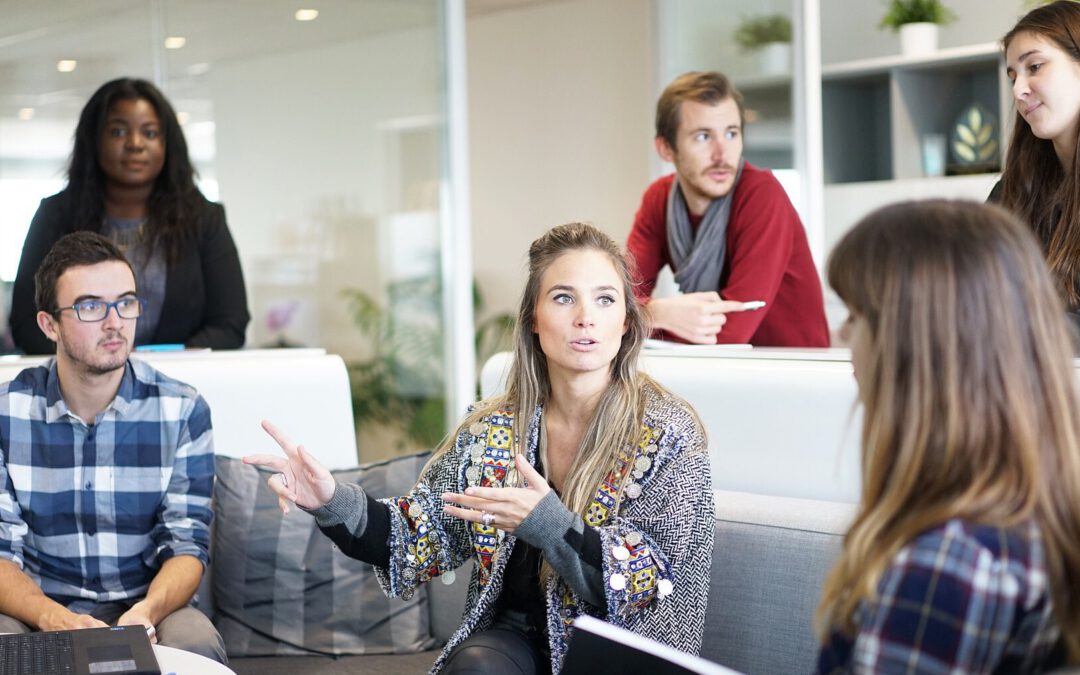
(507, 506)
(299, 477)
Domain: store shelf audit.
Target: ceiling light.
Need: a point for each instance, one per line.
(198, 68)
(67, 65)
(182, 118)
(175, 42)
(306, 14)
(26, 114)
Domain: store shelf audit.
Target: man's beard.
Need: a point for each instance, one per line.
(107, 364)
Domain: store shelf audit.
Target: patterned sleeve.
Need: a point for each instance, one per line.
(945, 605)
(656, 562)
(425, 542)
(184, 518)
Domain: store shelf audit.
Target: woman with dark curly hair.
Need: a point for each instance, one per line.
(131, 179)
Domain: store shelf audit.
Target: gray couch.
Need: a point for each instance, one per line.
(771, 556)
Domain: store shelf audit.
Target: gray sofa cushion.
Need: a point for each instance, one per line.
(280, 587)
(771, 557)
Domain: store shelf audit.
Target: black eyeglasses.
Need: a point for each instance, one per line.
(89, 311)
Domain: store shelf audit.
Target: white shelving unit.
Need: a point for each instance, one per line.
(876, 111)
(770, 138)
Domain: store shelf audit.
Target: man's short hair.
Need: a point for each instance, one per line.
(72, 250)
(709, 88)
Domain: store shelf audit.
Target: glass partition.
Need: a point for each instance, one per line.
(323, 134)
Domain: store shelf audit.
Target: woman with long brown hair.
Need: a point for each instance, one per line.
(1041, 179)
(583, 489)
(964, 555)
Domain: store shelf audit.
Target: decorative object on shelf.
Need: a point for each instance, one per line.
(768, 36)
(917, 22)
(933, 155)
(974, 141)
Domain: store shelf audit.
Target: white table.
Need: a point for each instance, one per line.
(178, 662)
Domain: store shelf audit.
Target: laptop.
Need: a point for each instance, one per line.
(600, 648)
(90, 651)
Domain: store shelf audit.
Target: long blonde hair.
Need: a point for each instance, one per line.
(616, 422)
(970, 404)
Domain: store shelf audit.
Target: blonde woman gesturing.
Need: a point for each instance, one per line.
(584, 489)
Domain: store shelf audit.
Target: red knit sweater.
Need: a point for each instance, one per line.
(767, 258)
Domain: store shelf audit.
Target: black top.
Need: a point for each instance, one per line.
(205, 299)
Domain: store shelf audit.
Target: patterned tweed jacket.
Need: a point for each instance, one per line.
(657, 534)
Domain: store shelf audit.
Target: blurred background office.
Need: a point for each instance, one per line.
(384, 163)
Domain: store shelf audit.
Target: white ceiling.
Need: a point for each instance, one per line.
(109, 38)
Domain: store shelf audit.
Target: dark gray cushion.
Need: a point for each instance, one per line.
(280, 586)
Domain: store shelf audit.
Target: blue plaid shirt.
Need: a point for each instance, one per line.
(960, 598)
(92, 512)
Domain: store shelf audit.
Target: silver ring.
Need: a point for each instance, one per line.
(488, 519)
(284, 480)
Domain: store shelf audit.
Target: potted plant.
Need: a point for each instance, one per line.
(918, 22)
(770, 37)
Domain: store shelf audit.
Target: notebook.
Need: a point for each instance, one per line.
(598, 648)
(90, 651)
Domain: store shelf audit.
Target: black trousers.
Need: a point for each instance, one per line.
(509, 647)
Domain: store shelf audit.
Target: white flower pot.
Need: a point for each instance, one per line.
(774, 58)
(918, 39)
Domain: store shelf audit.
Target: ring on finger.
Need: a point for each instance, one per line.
(488, 519)
(284, 480)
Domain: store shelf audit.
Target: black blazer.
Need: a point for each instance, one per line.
(205, 298)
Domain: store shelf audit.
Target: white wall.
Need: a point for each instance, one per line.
(307, 173)
(560, 107)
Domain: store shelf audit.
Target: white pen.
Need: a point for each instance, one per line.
(751, 305)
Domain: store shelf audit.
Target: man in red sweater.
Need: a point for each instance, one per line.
(726, 228)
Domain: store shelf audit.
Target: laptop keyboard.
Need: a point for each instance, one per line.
(36, 654)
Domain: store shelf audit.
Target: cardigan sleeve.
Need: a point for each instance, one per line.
(43, 233)
(226, 315)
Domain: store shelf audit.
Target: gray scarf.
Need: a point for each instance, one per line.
(698, 260)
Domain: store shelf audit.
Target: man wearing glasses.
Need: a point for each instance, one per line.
(106, 468)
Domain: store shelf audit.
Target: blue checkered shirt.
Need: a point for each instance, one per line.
(961, 598)
(91, 512)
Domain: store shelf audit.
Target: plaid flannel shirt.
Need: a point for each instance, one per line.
(960, 598)
(92, 512)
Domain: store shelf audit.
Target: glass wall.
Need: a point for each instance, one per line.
(751, 41)
(323, 134)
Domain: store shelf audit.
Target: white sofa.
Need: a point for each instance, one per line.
(780, 422)
(305, 392)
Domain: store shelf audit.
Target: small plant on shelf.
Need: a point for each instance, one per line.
(902, 12)
(757, 31)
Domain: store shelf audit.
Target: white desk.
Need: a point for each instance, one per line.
(178, 662)
(304, 391)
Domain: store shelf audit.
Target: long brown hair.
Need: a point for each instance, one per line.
(1034, 184)
(967, 384)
